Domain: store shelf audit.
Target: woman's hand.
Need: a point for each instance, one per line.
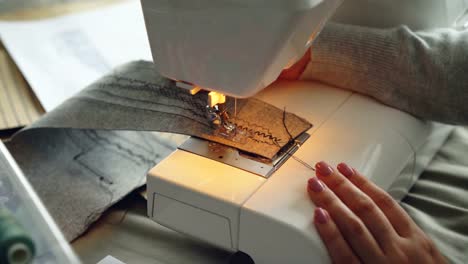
(359, 222)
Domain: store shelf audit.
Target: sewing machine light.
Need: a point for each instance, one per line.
(195, 90)
(215, 98)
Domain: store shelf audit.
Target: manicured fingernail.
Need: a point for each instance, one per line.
(320, 216)
(315, 185)
(345, 170)
(323, 168)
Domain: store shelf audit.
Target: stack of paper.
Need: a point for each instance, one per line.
(18, 106)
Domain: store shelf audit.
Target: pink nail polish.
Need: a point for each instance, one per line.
(320, 216)
(315, 185)
(323, 168)
(345, 170)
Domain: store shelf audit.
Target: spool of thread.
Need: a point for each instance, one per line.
(16, 245)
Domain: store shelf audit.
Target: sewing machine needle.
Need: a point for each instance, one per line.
(235, 108)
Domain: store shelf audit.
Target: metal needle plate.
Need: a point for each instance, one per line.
(231, 156)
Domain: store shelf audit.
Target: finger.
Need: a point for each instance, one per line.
(398, 218)
(361, 204)
(350, 226)
(336, 245)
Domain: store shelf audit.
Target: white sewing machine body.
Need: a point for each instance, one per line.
(237, 47)
(271, 218)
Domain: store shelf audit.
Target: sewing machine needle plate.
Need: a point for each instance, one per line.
(231, 156)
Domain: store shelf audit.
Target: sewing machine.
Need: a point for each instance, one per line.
(238, 48)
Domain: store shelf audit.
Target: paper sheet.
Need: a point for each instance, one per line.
(80, 165)
(60, 56)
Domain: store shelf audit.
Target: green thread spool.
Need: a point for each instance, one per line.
(16, 246)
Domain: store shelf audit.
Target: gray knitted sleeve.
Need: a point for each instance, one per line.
(422, 73)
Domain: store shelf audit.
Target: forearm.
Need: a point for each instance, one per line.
(423, 73)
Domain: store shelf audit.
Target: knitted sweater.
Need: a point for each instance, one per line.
(423, 73)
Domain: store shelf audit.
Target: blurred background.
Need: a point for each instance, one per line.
(8, 6)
